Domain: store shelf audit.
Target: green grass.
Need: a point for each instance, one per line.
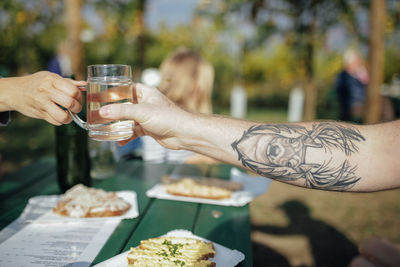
(353, 217)
(267, 115)
(261, 115)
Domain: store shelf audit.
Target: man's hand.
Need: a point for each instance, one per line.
(154, 115)
(38, 96)
(377, 252)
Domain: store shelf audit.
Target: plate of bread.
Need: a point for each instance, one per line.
(201, 190)
(176, 248)
(82, 203)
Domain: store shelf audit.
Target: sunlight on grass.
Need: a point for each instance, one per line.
(262, 115)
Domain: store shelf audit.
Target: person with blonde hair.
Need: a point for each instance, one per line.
(187, 79)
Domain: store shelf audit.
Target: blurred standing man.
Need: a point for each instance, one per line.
(61, 62)
(351, 87)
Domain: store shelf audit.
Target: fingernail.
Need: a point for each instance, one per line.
(105, 111)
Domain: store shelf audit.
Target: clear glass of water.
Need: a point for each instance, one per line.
(107, 84)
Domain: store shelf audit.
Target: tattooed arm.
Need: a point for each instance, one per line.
(320, 155)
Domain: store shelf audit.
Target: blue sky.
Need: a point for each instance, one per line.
(170, 12)
(180, 12)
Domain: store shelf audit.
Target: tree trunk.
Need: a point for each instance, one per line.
(310, 101)
(73, 21)
(311, 92)
(141, 37)
(376, 57)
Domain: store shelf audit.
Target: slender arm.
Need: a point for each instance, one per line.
(40, 96)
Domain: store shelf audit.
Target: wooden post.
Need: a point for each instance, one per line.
(142, 40)
(310, 102)
(73, 21)
(311, 90)
(376, 57)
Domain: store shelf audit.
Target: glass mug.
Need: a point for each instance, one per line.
(107, 84)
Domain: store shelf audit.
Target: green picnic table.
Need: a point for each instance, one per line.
(156, 216)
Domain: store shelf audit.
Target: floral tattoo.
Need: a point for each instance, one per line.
(279, 152)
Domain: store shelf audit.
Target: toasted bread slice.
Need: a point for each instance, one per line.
(81, 201)
(172, 251)
(189, 188)
(217, 182)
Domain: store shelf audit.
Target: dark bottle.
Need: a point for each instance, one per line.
(72, 152)
(73, 162)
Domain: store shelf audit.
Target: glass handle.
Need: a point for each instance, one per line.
(83, 124)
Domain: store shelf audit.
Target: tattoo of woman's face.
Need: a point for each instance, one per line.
(279, 152)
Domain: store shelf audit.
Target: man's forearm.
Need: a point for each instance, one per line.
(213, 135)
(303, 155)
(319, 155)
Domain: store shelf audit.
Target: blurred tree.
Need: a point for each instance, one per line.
(28, 33)
(125, 36)
(309, 21)
(376, 56)
(141, 34)
(311, 18)
(73, 21)
(266, 45)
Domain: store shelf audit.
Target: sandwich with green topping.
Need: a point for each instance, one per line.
(172, 251)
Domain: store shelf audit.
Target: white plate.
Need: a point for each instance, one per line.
(253, 186)
(238, 198)
(128, 196)
(223, 256)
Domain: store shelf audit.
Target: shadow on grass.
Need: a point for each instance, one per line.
(265, 256)
(329, 247)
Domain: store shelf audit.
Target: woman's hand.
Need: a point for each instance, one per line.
(41, 95)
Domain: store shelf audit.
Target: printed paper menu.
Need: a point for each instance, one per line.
(72, 244)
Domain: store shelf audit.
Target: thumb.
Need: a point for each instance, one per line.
(119, 111)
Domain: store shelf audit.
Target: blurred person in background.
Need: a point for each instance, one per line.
(61, 62)
(351, 86)
(187, 79)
